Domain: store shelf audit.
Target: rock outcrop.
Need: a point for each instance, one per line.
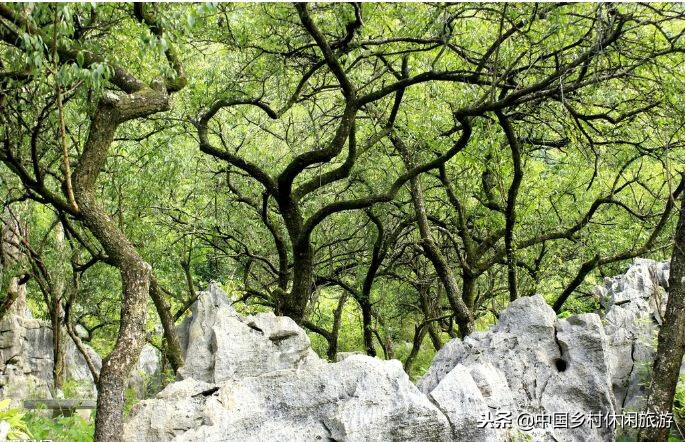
(218, 344)
(146, 377)
(26, 362)
(634, 303)
(255, 378)
(358, 399)
(533, 363)
(529, 364)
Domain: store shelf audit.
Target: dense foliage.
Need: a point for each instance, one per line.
(382, 173)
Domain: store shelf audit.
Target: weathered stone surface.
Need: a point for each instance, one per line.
(346, 354)
(461, 400)
(196, 333)
(25, 358)
(255, 378)
(634, 303)
(181, 411)
(4, 430)
(358, 399)
(26, 362)
(220, 344)
(533, 363)
(145, 376)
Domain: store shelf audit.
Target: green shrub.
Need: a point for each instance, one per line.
(130, 399)
(62, 428)
(14, 417)
(678, 407)
(73, 389)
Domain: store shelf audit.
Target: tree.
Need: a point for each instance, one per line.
(137, 100)
(519, 100)
(670, 341)
(428, 162)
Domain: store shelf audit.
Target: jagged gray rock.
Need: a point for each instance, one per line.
(358, 399)
(146, 376)
(255, 378)
(530, 362)
(460, 399)
(219, 344)
(177, 409)
(26, 362)
(634, 303)
(25, 356)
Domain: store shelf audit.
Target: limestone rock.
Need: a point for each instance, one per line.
(358, 399)
(181, 411)
(346, 354)
(531, 362)
(25, 358)
(4, 430)
(219, 344)
(26, 362)
(196, 334)
(634, 304)
(255, 378)
(146, 376)
(460, 399)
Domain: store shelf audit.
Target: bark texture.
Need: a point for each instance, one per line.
(12, 284)
(670, 343)
(135, 272)
(510, 212)
(463, 316)
(173, 347)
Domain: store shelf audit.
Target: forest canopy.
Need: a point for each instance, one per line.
(390, 176)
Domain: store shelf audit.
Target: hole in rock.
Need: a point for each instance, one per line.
(560, 364)
(206, 393)
(256, 328)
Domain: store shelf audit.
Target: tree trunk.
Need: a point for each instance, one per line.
(135, 275)
(386, 342)
(368, 283)
(333, 338)
(510, 214)
(670, 347)
(135, 272)
(419, 334)
(173, 346)
(367, 329)
(58, 363)
(118, 364)
(468, 288)
(463, 315)
(58, 290)
(427, 310)
(295, 305)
